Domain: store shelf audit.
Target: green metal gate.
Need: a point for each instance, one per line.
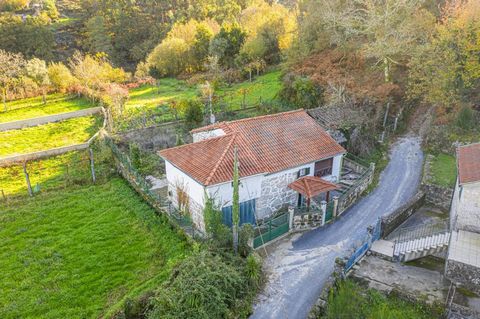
(270, 229)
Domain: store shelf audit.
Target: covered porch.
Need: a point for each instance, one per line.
(313, 191)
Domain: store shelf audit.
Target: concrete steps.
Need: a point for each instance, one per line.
(421, 247)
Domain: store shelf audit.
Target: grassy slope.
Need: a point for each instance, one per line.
(48, 136)
(34, 107)
(444, 170)
(52, 173)
(265, 87)
(76, 254)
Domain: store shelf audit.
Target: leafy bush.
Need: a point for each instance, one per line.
(301, 92)
(351, 301)
(146, 163)
(465, 119)
(207, 285)
(193, 112)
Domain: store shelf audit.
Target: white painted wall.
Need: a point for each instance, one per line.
(250, 188)
(200, 136)
(466, 205)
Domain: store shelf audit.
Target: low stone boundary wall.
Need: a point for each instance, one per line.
(16, 125)
(16, 159)
(401, 214)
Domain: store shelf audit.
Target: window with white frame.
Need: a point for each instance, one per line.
(303, 172)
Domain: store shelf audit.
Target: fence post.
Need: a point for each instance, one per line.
(386, 115)
(27, 179)
(335, 206)
(92, 165)
(395, 124)
(323, 205)
(291, 212)
(3, 196)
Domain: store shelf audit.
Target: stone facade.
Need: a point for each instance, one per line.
(276, 193)
(467, 275)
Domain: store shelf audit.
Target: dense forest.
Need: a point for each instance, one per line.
(361, 54)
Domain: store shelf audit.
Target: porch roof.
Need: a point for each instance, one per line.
(311, 186)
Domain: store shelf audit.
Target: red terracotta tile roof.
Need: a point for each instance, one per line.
(265, 144)
(468, 158)
(311, 186)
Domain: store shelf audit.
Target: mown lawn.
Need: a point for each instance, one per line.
(34, 107)
(80, 253)
(32, 139)
(263, 88)
(443, 170)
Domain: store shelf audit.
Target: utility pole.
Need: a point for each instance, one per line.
(236, 199)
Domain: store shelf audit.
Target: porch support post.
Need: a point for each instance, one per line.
(335, 206)
(328, 197)
(323, 206)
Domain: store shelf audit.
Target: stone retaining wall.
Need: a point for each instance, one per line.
(438, 196)
(395, 219)
(16, 125)
(467, 275)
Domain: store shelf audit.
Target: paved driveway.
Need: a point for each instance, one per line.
(300, 266)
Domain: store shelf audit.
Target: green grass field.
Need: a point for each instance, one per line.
(443, 170)
(81, 253)
(61, 171)
(264, 88)
(34, 107)
(69, 132)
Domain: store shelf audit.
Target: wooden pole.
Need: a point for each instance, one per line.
(92, 165)
(3, 196)
(386, 115)
(27, 179)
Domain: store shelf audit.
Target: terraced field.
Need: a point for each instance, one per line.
(34, 107)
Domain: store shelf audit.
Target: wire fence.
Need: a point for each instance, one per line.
(160, 203)
(60, 172)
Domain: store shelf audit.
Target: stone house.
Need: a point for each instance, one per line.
(463, 260)
(285, 159)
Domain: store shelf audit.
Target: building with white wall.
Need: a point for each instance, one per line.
(463, 259)
(276, 155)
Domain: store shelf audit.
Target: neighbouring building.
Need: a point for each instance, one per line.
(285, 159)
(463, 261)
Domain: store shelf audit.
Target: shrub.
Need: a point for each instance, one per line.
(465, 118)
(13, 5)
(301, 92)
(193, 112)
(60, 77)
(206, 285)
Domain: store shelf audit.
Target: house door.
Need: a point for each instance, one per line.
(301, 202)
(324, 168)
(247, 213)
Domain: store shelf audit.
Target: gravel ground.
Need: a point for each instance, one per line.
(299, 265)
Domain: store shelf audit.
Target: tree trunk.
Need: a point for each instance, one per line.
(250, 75)
(4, 99)
(44, 96)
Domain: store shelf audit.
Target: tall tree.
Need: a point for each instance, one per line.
(11, 67)
(36, 69)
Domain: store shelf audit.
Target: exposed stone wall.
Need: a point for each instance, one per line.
(395, 219)
(276, 194)
(156, 137)
(437, 196)
(466, 275)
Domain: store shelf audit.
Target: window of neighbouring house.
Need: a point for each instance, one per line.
(324, 168)
(303, 172)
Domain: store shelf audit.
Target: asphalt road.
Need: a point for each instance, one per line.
(299, 266)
